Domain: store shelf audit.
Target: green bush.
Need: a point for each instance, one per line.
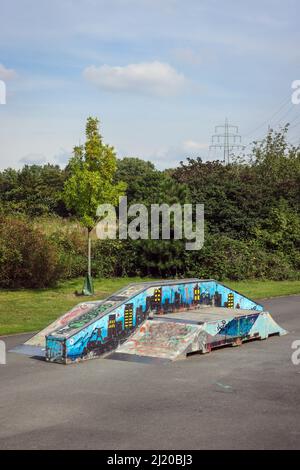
(37, 255)
(71, 249)
(27, 258)
(225, 258)
(114, 258)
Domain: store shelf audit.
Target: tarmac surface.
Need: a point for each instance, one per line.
(245, 397)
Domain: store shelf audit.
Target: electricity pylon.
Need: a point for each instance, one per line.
(227, 141)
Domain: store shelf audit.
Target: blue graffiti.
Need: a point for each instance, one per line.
(106, 330)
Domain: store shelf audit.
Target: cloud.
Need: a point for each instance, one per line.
(33, 159)
(155, 78)
(7, 74)
(62, 157)
(187, 55)
(171, 156)
(41, 83)
(193, 146)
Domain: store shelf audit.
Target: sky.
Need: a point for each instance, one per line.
(159, 74)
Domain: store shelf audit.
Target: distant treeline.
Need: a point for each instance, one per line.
(252, 220)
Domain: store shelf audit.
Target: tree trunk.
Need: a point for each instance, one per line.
(89, 254)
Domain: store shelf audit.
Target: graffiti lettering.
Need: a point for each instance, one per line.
(221, 325)
(85, 318)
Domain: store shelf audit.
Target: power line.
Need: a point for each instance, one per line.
(267, 121)
(280, 121)
(295, 123)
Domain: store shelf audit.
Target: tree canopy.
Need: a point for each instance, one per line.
(91, 177)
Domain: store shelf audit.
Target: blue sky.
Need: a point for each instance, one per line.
(159, 74)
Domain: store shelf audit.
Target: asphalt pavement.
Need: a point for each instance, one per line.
(246, 397)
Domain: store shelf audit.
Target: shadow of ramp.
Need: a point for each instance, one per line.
(136, 358)
(27, 350)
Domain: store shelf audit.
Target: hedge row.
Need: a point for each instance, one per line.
(33, 257)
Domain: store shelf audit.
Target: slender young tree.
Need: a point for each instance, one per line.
(90, 183)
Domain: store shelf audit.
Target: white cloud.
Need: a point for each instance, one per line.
(193, 146)
(33, 159)
(171, 156)
(156, 78)
(62, 157)
(7, 74)
(41, 83)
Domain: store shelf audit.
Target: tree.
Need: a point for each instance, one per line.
(141, 177)
(90, 182)
(34, 190)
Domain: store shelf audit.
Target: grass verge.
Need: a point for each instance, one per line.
(26, 310)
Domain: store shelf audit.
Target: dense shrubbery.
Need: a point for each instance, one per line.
(27, 258)
(252, 217)
(70, 246)
(222, 257)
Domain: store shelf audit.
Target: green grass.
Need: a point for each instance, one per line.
(265, 289)
(30, 310)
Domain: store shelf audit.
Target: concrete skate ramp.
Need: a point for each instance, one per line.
(36, 345)
(77, 317)
(177, 335)
(167, 340)
(93, 329)
(113, 326)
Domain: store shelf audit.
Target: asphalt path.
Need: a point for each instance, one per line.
(246, 397)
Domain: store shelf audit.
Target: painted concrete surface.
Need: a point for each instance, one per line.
(176, 335)
(204, 314)
(245, 397)
(82, 314)
(168, 340)
(121, 322)
(103, 328)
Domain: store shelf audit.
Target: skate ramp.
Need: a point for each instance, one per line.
(94, 329)
(167, 340)
(75, 318)
(180, 334)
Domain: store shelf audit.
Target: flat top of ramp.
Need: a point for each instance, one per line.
(204, 314)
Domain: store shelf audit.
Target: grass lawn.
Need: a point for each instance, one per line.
(30, 310)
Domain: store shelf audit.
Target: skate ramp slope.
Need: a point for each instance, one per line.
(94, 329)
(176, 336)
(77, 317)
(36, 345)
(167, 340)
